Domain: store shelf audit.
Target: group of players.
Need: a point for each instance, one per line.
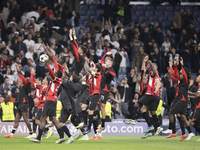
(95, 88)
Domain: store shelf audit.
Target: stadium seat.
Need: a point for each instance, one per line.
(134, 18)
(197, 8)
(150, 7)
(93, 7)
(168, 8)
(161, 19)
(158, 13)
(196, 14)
(168, 13)
(160, 8)
(165, 24)
(143, 18)
(198, 19)
(153, 18)
(84, 18)
(139, 13)
(95, 17)
(148, 13)
(140, 7)
(100, 12)
(84, 8)
(170, 18)
(91, 13)
(82, 12)
(188, 7)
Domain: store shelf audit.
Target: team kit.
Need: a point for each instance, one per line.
(83, 110)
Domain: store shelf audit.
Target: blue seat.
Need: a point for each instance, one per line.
(188, 7)
(82, 12)
(161, 19)
(140, 7)
(198, 19)
(92, 6)
(158, 13)
(94, 16)
(143, 18)
(170, 18)
(148, 13)
(153, 18)
(91, 13)
(169, 13)
(196, 8)
(134, 18)
(139, 13)
(160, 8)
(100, 11)
(178, 7)
(196, 14)
(84, 18)
(165, 24)
(169, 8)
(84, 8)
(150, 7)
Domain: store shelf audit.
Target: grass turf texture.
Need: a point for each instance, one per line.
(108, 143)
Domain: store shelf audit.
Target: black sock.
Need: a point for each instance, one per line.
(152, 121)
(189, 129)
(66, 130)
(40, 134)
(181, 125)
(34, 126)
(82, 130)
(13, 131)
(61, 133)
(46, 129)
(90, 121)
(197, 127)
(155, 118)
(103, 123)
(78, 120)
(84, 113)
(134, 111)
(95, 126)
(172, 127)
(147, 118)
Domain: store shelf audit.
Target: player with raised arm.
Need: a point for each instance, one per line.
(22, 109)
(181, 106)
(105, 86)
(151, 100)
(49, 108)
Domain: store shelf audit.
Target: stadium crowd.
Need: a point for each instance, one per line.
(26, 25)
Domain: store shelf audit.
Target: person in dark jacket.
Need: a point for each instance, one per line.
(19, 45)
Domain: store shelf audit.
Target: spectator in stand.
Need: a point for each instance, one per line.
(75, 22)
(186, 55)
(120, 8)
(73, 5)
(171, 35)
(119, 24)
(107, 46)
(49, 12)
(136, 79)
(31, 14)
(30, 53)
(55, 34)
(131, 83)
(159, 37)
(9, 48)
(194, 54)
(183, 39)
(4, 61)
(34, 26)
(114, 42)
(38, 46)
(23, 59)
(11, 35)
(92, 56)
(9, 75)
(6, 12)
(125, 44)
(145, 37)
(29, 63)
(156, 58)
(118, 34)
(125, 94)
(92, 24)
(15, 91)
(191, 31)
(5, 87)
(64, 7)
(97, 34)
(100, 52)
(29, 42)
(178, 18)
(188, 18)
(123, 53)
(106, 27)
(165, 46)
(139, 57)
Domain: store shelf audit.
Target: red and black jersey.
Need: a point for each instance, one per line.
(51, 93)
(23, 90)
(78, 64)
(42, 97)
(61, 68)
(198, 105)
(94, 85)
(182, 84)
(38, 88)
(88, 80)
(151, 84)
(107, 76)
(175, 78)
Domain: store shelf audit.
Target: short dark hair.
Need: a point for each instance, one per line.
(75, 78)
(48, 79)
(59, 73)
(84, 49)
(40, 79)
(98, 66)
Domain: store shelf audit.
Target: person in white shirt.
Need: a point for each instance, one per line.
(11, 52)
(29, 42)
(33, 25)
(165, 46)
(38, 46)
(52, 48)
(100, 52)
(31, 14)
(123, 53)
(118, 34)
(30, 53)
(114, 42)
(119, 24)
(23, 18)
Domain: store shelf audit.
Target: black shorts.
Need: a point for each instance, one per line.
(151, 101)
(87, 100)
(64, 115)
(197, 114)
(49, 108)
(22, 108)
(84, 96)
(179, 108)
(39, 114)
(104, 96)
(176, 99)
(34, 111)
(93, 101)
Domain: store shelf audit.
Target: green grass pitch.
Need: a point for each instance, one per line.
(108, 143)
